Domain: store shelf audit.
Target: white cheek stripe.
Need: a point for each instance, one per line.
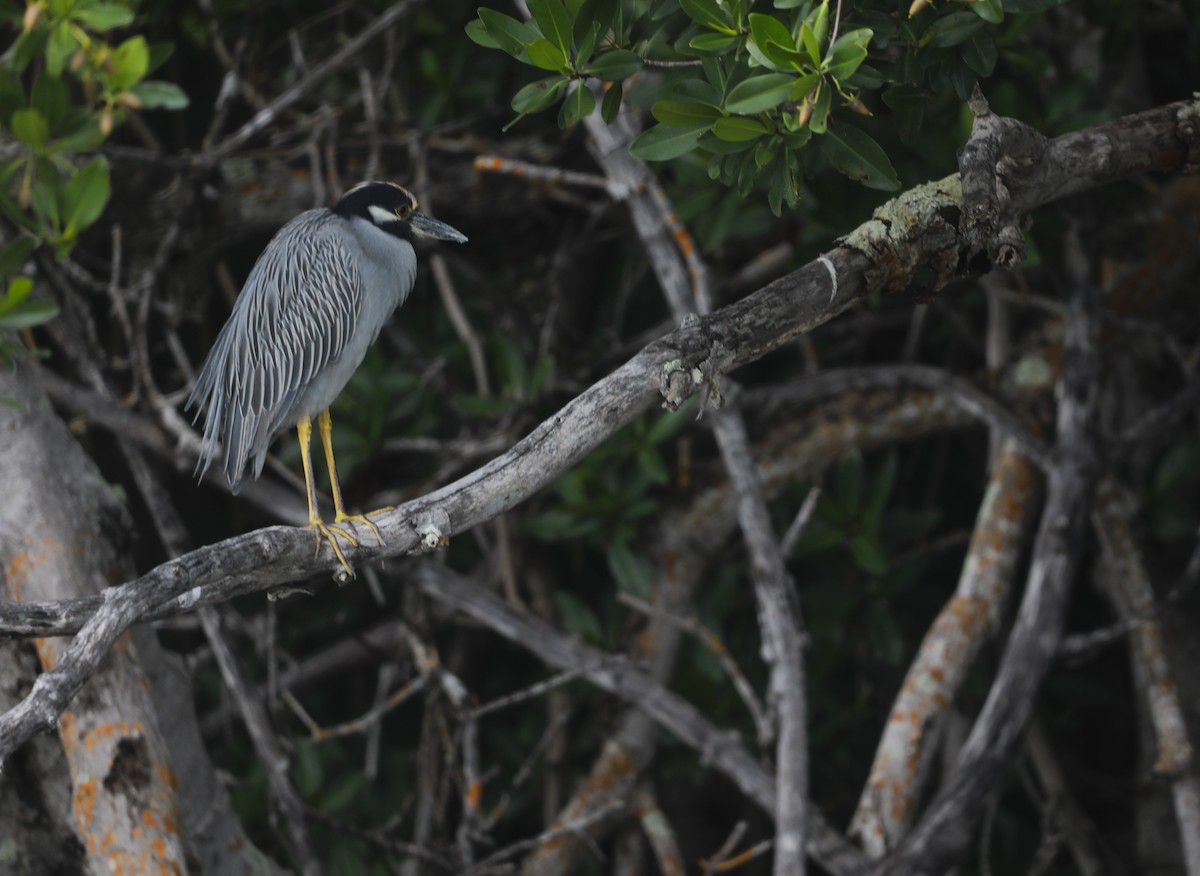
(381, 215)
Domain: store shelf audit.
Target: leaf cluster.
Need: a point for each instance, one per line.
(753, 92)
(63, 88)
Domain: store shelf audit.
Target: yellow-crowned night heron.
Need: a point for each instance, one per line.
(315, 300)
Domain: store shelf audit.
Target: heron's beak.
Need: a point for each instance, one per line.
(426, 226)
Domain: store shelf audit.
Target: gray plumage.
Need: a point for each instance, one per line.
(314, 302)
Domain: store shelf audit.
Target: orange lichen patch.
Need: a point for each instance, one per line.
(167, 776)
(149, 819)
(615, 768)
(47, 652)
(83, 802)
(684, 241)
(646, 646)
(474, 794)
(68, 729)
(489, 162)
(16, 571)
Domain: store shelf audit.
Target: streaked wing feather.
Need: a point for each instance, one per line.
(295, 315)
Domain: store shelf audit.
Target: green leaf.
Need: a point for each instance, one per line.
(708, 13)
(991, 11)
(866, 77)
(821, 105)
(713, 42)
(29, 126)
(478, 33)
(682, 114)
(578, 617)
(955, 28)
(858, 37)
(510, 364)
(14, 256)
(512, 35)
(579, 104)
(664, 142)
(908, 102)
(586, 45)
(979, 53)
(818, 20)
(868, 555)
(764, 153)
(542, 372)
(597, 14)
(159, 53)
(12, 95)
(773, 42)
(28, 45)
(711, 143)
(307, 770)
(848, 52)
(538, 95)
(19, 289)
(842, 62)
(157, 94)
(855, 154)
(850, 481)
(544, 54)
(49, 98)
(759, 93)
(131, 60)
(881, 491)
(610, 107)
(737, 129)
(803, 86)
(631, 571)
(669, 425)
(59, 48)
(554, 22)
(812, 46)
(102, 16)
(698, 91)
(28, 313)
(86, 195)
(615, 65)
(87, 135)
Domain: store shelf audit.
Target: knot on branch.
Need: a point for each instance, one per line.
(431, 531)
(678, 382)
(1187, 126)
(1001, 159)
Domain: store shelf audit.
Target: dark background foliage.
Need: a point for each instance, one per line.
(557, 289)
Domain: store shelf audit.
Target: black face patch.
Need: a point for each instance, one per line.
(387, 196)
(378, 202)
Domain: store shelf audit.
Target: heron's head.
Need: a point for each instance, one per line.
(393, 209)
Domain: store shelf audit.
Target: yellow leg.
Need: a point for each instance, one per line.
(325, 427)
(320, 528)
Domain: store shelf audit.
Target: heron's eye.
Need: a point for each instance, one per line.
(405, 211)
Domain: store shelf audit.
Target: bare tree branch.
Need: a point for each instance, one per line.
(942, 834)
(618, 676)
(907, 233)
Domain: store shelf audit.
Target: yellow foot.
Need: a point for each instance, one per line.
(331, 534)
(365, 520)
